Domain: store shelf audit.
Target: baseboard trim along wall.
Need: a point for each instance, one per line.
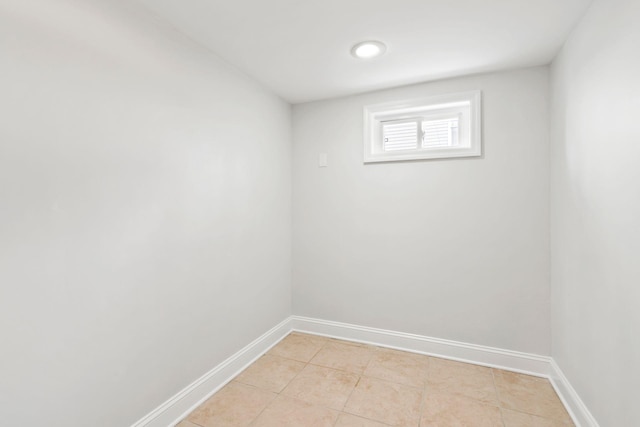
(479, 355)
(581, 415)
(175, 409)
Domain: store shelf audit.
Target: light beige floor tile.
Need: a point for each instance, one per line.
(288, 412)
(236, 405)
(345, 357)
(398, 367)
(348, 420)
(298, 347)
(461, 379)
(389, 394)
(447, 410)
(390, 403)
(518, 419)
(271, 373)
(322, 386)
(532, 395)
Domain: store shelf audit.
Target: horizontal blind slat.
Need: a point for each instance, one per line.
(400, 136)
(439, 133)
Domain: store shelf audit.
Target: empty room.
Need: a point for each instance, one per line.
(319, 213)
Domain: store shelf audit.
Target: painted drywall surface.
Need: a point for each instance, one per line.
(595, 205)
(145, 212)
(454, 249)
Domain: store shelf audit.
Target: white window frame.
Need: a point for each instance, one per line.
(434, 106)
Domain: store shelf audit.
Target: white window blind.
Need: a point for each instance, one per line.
(440, 133)
(400, 135)
(441, 126)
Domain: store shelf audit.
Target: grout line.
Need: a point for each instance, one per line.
(502, 417)
(493, 377)
(385, 380)
(366, 418)
(426, 386)
(335, 369)
(189, 421)
(337, 418)
(326, 341)
(351, 394)
(263, 409)
(423, 399)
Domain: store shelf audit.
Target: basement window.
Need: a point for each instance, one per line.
(429, 128)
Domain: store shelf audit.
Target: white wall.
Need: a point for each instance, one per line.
(144, 212)
(455, 249)
(596, 209)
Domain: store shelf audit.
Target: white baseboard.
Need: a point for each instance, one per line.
(526, 363)
(576, 407)
(176, 408)
(173, 410)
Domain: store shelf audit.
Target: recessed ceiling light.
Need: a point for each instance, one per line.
(368, 49)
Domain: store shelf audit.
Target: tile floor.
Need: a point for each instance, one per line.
(310, 381)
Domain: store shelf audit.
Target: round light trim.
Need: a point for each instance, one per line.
(369, 49)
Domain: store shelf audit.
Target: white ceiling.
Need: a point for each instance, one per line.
(300, 48)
